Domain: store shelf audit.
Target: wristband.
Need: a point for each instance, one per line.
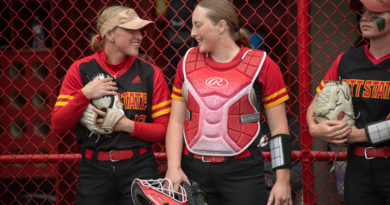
(280, 147)
(378, 132)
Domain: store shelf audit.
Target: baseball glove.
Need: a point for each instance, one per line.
(111, 105)
(334, 103)
(195, 195)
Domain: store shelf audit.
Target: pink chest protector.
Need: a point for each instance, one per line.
(221, 117)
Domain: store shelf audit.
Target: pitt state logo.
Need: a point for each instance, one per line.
(216, 82)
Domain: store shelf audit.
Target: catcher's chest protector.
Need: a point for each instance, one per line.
(221, 118)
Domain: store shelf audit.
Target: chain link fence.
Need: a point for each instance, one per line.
(40, 39)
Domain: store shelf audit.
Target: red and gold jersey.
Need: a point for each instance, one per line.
(143, 92)
(369, 80)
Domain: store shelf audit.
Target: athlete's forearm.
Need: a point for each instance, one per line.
(357, 135)
(65, 116)
(151, 132)
(174, 138)
(309, 115)
(283, 175)
(174, 145)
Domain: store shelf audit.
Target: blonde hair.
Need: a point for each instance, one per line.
(98, 44)
(223, 10)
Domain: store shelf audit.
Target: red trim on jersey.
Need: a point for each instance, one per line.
(372, 58)
(332, 73)
(115, 70)
(224, 66)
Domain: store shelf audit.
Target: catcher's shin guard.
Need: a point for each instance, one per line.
(280, 147)
(378, 132)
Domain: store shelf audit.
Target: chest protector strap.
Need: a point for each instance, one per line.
(221, 116)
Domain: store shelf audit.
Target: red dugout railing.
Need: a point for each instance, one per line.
(39, 39)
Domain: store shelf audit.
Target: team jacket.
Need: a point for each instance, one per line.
(369, 80)
(214, 125)
(143, 92)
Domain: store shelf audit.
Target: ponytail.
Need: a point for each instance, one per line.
(243, 38)
(97, 43)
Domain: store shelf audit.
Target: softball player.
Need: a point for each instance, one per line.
(216, 115)
(367, 70)
(110, 162)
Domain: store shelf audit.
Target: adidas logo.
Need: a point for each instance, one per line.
(136, 80)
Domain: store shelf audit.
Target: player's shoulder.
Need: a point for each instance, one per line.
(252, 50)
(193, 51)
(146, 65)
(355, 52)
(84, 61)
(354, 57)
(250, 53)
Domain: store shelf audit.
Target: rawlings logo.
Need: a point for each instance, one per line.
(216, 82)
(341, 115)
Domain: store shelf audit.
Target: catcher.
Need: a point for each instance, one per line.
(366, 71)
(220, 90)
(118, 105)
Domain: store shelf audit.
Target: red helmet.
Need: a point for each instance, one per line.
(157, 192)
(372, 5)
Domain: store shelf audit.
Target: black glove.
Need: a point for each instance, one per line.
(195, 195)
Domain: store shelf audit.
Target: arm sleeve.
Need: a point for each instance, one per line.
(71, 102)
(332, 74)
(161, 107)
(274, 89)
(152, 132)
